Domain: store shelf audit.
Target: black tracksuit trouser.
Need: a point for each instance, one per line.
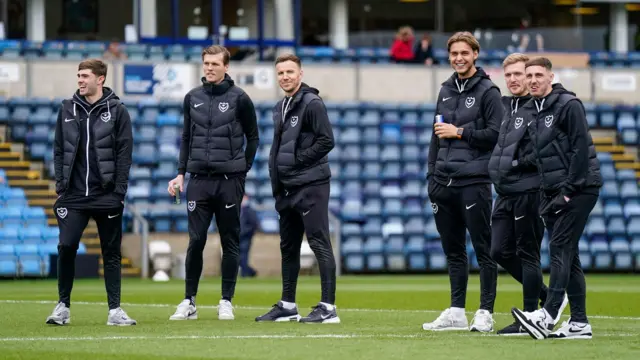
(208, 196)
(516, 234)
(73, 213)
(306, 211)
(457, 209)
(565, 223)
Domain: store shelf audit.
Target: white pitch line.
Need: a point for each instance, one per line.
(266, 337)
(97, 303)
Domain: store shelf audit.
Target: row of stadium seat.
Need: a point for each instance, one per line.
(76, 50)
(376, 263)
(33, 123)
(29, 235)
(29, 260)
(21, 108)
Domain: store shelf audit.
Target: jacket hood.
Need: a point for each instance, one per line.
(107, 99)
(220, 88)
(558, 89)
(551, 98)
(466, 84)
(290, 102)
(107, 94)
(515, 102)
(304, 88)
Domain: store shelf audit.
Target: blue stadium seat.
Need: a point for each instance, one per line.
(8, 264)
(11, 216)
(34, 216)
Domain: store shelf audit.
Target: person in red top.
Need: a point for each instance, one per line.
(402, 48)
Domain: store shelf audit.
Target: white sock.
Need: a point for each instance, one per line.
(328, 306)
(457, 311)
(288, 305)
(578, 324)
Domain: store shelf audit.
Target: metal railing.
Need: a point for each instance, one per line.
(141, 226)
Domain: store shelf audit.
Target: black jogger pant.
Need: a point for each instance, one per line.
(306, 211)
(516, 235)
(457, 209)
(565, 223)
(208, 196)
(73, 213)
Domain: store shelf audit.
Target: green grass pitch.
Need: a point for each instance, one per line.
(381, 317)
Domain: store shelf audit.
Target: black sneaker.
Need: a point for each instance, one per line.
(513, 330)
(279, 314)
(321, 315)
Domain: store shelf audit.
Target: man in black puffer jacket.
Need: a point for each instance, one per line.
(516, 227)
(218, 116)
(458, 180)
(300, 175)
(571, 181)
(92, 156)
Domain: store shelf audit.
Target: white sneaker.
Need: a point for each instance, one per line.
(447, 321)
(536, 323)
(571, 330)
(186, 311)
(225, 310)
(61, 315)
(565, 302)
(117, 317)
(482, 321)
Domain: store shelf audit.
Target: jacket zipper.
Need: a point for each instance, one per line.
(73, 159)
(209, 127)
(535, 139)
(446, 160)
(86, 181)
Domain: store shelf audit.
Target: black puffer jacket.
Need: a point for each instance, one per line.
(93, 146)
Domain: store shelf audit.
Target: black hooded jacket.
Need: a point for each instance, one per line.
(474, 105)
(565, 153)
(302, 139)
(512, 164)
(93, 146)
(217, 118)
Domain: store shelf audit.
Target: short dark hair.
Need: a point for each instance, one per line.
(97, 67)
(288, 57)
(215, 50)
(539, 61)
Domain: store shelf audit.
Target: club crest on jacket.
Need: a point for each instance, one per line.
(518, 122)
(469, 102)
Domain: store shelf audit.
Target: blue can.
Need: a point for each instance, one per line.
(439, 119)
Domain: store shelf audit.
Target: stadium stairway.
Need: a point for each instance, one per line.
(28, 175)
(623, 157)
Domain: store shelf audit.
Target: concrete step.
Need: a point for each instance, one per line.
(14, 165)
(10, 156)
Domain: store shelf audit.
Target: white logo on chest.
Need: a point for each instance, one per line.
(294, 121)
(105, 116)
(548, 120)
(469, 102)
(223, 106)
(518, 122)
